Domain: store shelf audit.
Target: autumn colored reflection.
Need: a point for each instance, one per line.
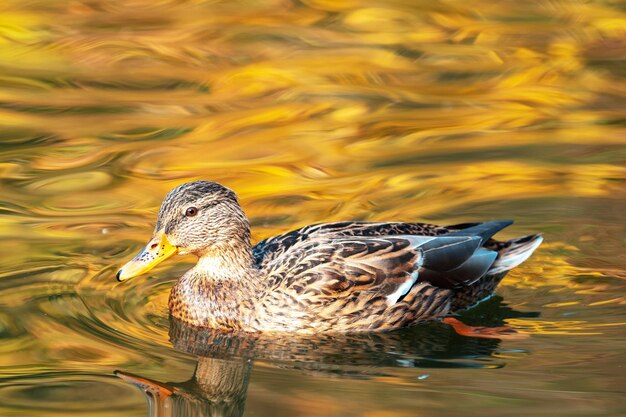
(312, 111)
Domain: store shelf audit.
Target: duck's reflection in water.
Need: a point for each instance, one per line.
(217, 388)
(220, 381)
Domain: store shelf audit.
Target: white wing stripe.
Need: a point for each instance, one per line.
(402, 290)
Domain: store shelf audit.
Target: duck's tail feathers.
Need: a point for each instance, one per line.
(514, 252)
(484, 230)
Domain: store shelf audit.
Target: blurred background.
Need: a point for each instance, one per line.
(313, 111)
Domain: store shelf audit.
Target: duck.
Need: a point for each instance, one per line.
(343, 277)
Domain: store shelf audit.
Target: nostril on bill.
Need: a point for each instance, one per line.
(154, 245)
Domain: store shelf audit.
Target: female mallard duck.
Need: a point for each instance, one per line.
(342, 277)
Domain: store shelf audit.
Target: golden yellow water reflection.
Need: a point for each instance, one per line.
(312, 111)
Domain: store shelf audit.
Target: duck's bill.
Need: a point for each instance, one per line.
(155, 252)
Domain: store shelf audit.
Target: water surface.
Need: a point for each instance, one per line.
(312, 111)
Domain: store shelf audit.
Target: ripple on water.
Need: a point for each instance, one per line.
(133, 313)
(68, 392)
(82, 181)
(61, 316)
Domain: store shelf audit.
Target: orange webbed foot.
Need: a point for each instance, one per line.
(502, 333)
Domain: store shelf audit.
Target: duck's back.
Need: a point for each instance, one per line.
(271, 248)
(358, 276)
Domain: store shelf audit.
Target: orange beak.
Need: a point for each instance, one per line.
(155, 252)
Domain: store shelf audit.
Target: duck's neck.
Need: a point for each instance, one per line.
(220, 289)
(229, 262)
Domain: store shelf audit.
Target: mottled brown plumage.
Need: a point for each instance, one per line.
(330, 277)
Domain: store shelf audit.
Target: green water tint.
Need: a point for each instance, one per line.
(311, 111)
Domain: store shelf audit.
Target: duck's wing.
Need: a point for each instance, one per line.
(271, 248)
(362, 270)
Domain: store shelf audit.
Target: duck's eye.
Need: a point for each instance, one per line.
(191, 211)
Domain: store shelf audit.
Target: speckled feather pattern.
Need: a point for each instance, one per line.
(329, 277)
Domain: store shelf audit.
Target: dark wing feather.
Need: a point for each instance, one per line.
(444, 272)
(483, 230)
(446, 252)
(465, 274)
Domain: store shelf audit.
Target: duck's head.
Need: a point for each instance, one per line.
(198, 217)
